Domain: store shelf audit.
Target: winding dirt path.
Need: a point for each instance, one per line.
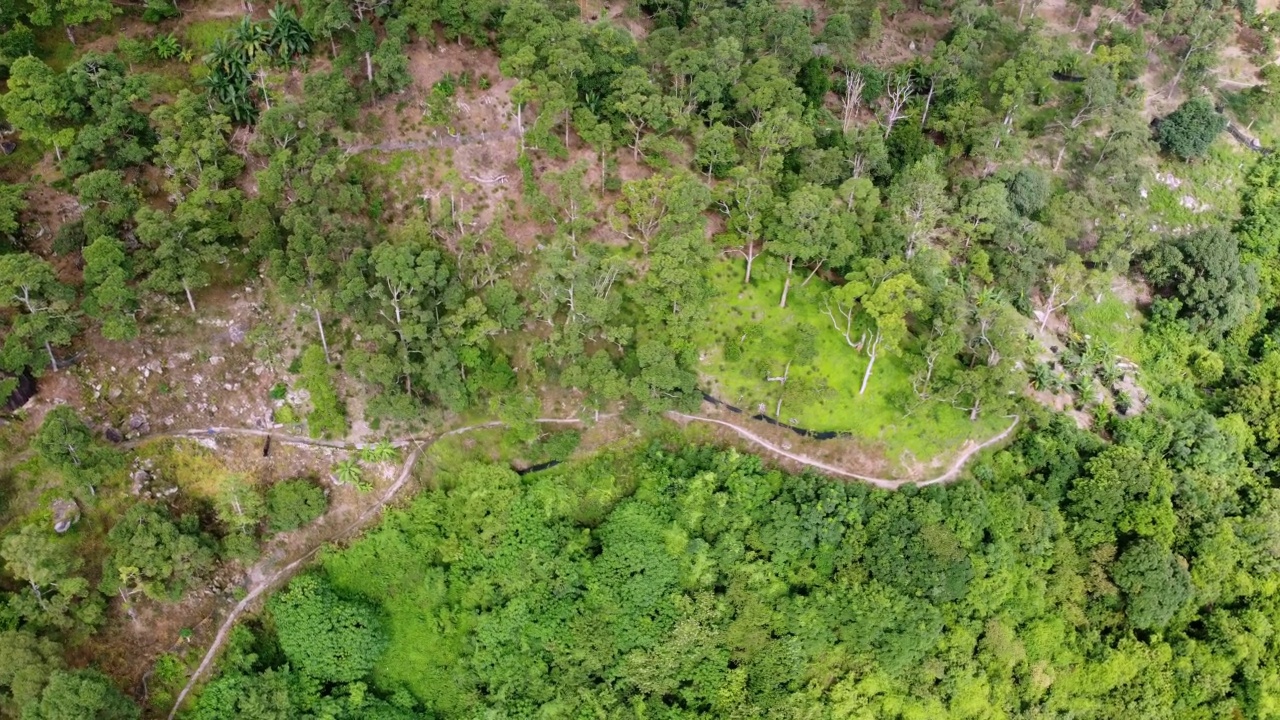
(264, 575)
(951, 473)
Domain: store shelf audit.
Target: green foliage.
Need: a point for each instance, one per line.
(65, 442)
(26, 662)
(240, 506)
(1155, 582)
(1217, 288)
(381, 451)
(294, 503)
(45, 316)
(152, 553)
(349, 472)
(56, 596)
(703, 583)
(109, 297)
(326, 636)
(79, 694)
(1029, 190)
(1188, 131)
(747, 342)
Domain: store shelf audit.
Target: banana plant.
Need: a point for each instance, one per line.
(288, 38)
(348, 472)
(166, 47)
(252, 37)
(381, 451)
(227, 59)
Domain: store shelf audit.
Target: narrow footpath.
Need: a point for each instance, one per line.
(270, 573)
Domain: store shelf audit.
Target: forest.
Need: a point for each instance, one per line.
(658, 359)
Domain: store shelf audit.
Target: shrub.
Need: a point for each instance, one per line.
(327, 417)
(1188, 131)
(294, 503)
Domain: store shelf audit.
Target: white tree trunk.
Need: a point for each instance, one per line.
(871, 362)
(786, 285)
(324, 341)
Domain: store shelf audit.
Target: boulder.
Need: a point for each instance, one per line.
(65, 514)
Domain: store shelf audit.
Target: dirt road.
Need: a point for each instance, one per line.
(970, 449)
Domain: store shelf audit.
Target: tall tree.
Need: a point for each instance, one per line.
(108, 297)
(39, 103)
(152, 553)
(807, 228)
(46, 317)
(661, 204)
(748, 203)
(918, 201)
(80, 694)
(178, 254)
(69, 13)
(887, 294)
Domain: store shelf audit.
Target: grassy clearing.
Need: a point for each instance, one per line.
(191, 467)
(200, 34)
(1111, 321)
(18, 164)
(53, 47)
(822, 395)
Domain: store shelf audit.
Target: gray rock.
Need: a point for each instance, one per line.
(65, 514)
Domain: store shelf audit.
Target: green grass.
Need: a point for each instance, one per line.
(1111, 321)
(828, 398)
(53, 47)
(19, 163)
(199, 35)
(1214, 181)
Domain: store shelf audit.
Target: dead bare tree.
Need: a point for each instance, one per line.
(854, 84)
(782, 388)
(897, 94)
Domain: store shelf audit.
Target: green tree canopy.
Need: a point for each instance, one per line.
(1188, 131)
(1217, 288)
(26, 662)
(152, 553)
(80, 695)
(324, 635)
(1156, 584)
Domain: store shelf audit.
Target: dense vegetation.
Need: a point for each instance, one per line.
(1068, 577)
(899, 223)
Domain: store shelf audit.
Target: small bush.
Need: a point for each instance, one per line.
(294, 503)
(70, 238)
